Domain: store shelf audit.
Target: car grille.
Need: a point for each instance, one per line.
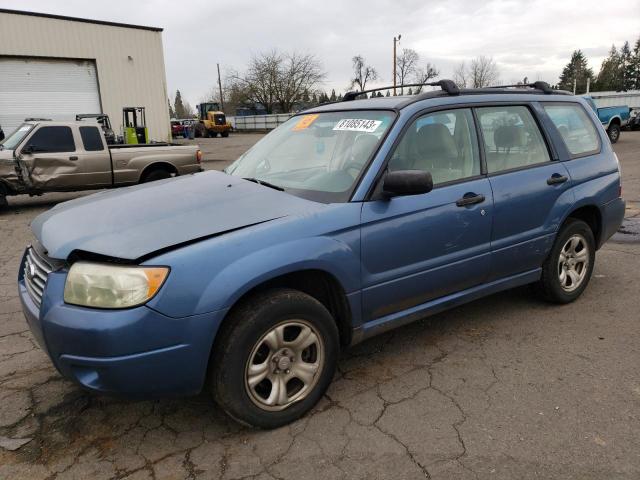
(36, 271)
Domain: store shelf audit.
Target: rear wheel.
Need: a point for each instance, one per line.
(156, 174)
(224, 134)
(614, 132)
(567, 270)
(275, 358)
(3, 202)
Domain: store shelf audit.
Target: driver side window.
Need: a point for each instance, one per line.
(442, 143)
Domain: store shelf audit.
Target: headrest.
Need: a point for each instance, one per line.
(508, 136)
(435, 138)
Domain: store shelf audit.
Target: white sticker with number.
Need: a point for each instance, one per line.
(358, 125)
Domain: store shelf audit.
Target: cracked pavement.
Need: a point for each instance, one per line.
(502, 388)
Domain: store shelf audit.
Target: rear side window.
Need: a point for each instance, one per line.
(52, 140)
(91, 139)
(512, 138)
(575, 128)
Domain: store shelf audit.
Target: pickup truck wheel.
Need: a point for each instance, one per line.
(224, 134)
(3, 202)
(614, 132)
(274, 358)
(156, 174)
(567, 270)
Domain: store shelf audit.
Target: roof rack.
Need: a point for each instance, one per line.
(542, 86)
(35, 119)
(448, 86)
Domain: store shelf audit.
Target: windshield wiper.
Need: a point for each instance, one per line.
(262, 182)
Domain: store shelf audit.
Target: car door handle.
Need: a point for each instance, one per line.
(73, 157)
(469, 199)
(556, 178)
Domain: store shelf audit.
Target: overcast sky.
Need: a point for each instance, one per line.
(532, 38)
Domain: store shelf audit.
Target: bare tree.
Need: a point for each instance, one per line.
(406, 64)
(297, 75)
(484, 72)
(460, 76)
(276, 79)
(424, 74)
(408, 70)
(362, 72)
(481, 72)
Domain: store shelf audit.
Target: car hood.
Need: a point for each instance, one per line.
(133, 222)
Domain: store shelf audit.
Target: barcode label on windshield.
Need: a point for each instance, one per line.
(358, 125)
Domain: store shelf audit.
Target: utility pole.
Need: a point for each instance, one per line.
(575, 81)
(395, 41)
(220, 87)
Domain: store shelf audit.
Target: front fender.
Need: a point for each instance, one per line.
(319, 253)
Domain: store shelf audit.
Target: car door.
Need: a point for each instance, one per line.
(50, 157)
(530, 188)
(94, 158)
(420, 247)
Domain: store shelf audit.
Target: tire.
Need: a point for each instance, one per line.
(553, 285)
(224, 134)
(3, 202)
(155, 174)
(244, 340)
(614, 132)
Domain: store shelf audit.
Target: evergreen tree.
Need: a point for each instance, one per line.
(388, 93)
(626, 68)
(172, 114)
(634, 67)
(410, 92)
(576, 70)
(333, 97)
(178, 106)
(610, 76)
(314, 98)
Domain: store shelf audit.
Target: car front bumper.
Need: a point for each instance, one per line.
(137, 351)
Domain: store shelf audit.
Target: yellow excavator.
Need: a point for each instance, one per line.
(212, 121)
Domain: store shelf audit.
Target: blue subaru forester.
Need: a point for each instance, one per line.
(350, 219)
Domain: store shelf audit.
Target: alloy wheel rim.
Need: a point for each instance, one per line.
(573, 263)
(284, 365)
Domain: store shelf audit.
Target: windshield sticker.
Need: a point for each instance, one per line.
(358, 125)
(305, 121)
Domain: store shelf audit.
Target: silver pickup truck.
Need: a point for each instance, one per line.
(49, 156)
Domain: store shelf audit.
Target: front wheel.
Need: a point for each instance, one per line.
(274, 359)
(224, 134)
(614, 132)
(567, 270)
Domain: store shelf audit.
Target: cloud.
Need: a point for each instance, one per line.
(532, 38)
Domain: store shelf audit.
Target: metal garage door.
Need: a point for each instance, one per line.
(56, 89)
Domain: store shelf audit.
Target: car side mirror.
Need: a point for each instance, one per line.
(28, 149)
(406, 182)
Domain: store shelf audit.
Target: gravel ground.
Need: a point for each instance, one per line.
(505, 387)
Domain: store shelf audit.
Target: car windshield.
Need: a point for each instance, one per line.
(13, 140)
(317, 156)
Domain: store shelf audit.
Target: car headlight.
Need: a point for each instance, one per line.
(103, 285)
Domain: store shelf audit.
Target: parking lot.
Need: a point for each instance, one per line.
(506, 387)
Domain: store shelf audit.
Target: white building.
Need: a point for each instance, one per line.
(631, 98)
(56, 67)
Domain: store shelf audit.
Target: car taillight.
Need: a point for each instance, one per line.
(199, 156)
